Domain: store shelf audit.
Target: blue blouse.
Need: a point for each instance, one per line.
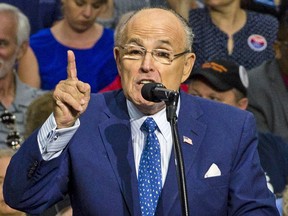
(95, 65)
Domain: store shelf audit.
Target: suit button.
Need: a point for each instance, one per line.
(32, 169)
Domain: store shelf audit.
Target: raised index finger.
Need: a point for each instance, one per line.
(71, 67)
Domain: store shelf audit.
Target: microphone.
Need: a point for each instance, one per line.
(157, 92)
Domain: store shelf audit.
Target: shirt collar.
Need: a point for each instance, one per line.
(160, 117)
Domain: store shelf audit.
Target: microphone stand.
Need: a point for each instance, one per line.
(171, 107)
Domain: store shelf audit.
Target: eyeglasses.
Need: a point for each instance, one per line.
(135, 52)
(13, 139)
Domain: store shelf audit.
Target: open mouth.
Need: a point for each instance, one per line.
(146, 81)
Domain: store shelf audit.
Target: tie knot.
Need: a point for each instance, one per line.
(149, 125)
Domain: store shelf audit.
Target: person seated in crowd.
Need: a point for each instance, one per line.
(91, 42)
(117, 8)
(15, 96)
(224, 30)
(5, 157)
(268, 89)
(227, 82)
(41, 14)
(97, 147)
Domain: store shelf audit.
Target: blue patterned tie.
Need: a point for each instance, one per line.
(149, 175)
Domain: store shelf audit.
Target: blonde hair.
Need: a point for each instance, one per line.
(37, 112)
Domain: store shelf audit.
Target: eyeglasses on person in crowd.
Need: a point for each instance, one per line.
(135, 52)
(13, 139)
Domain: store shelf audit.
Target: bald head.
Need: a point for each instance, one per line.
(153, 46)
(153, 19)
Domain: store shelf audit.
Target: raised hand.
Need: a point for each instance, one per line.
(71, 96)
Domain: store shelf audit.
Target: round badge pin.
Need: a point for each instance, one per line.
(257, 42)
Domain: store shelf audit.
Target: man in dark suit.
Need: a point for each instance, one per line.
(227, 82)
(97, 161)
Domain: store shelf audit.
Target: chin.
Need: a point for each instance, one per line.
(150, 108)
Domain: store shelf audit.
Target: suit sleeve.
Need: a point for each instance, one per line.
(32, 184)
(248, 193)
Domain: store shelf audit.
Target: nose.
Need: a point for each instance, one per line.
(147, 62)
(87, 11)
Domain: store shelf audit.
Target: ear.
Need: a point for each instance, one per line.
(117, 58)
(188, 65)
(22, 49)
(243, 103)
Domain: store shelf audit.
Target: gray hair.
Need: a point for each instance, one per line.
(23, 25)
(121, 28)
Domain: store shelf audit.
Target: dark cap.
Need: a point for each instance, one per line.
(223, 75)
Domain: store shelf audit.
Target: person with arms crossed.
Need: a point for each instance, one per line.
(91, 146)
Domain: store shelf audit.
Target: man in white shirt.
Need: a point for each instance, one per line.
(92, 147)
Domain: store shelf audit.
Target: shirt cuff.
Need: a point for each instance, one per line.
(51, 140)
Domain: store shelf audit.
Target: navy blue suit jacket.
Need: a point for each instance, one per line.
(97, 167)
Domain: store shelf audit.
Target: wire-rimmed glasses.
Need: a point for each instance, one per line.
(135, 52)
(13, 139)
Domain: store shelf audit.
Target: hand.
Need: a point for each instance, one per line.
(71, 96)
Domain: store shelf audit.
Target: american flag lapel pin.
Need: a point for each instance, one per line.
(187, 140)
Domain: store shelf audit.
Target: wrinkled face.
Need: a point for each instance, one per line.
(8, 43)
(202, 89)
(81, 14)
(5, 209)
(153, 29)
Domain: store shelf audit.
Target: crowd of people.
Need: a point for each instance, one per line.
(54, 55)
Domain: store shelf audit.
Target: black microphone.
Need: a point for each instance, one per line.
(157, 92)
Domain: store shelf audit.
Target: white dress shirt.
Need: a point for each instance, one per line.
(52, 141)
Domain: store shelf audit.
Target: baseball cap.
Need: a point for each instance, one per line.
(223, 75)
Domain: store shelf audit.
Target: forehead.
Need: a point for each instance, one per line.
(8, 24)
(156, 25)
(91, 1)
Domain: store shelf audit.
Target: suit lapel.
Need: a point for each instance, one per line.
(116, 136)
(188, 126)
